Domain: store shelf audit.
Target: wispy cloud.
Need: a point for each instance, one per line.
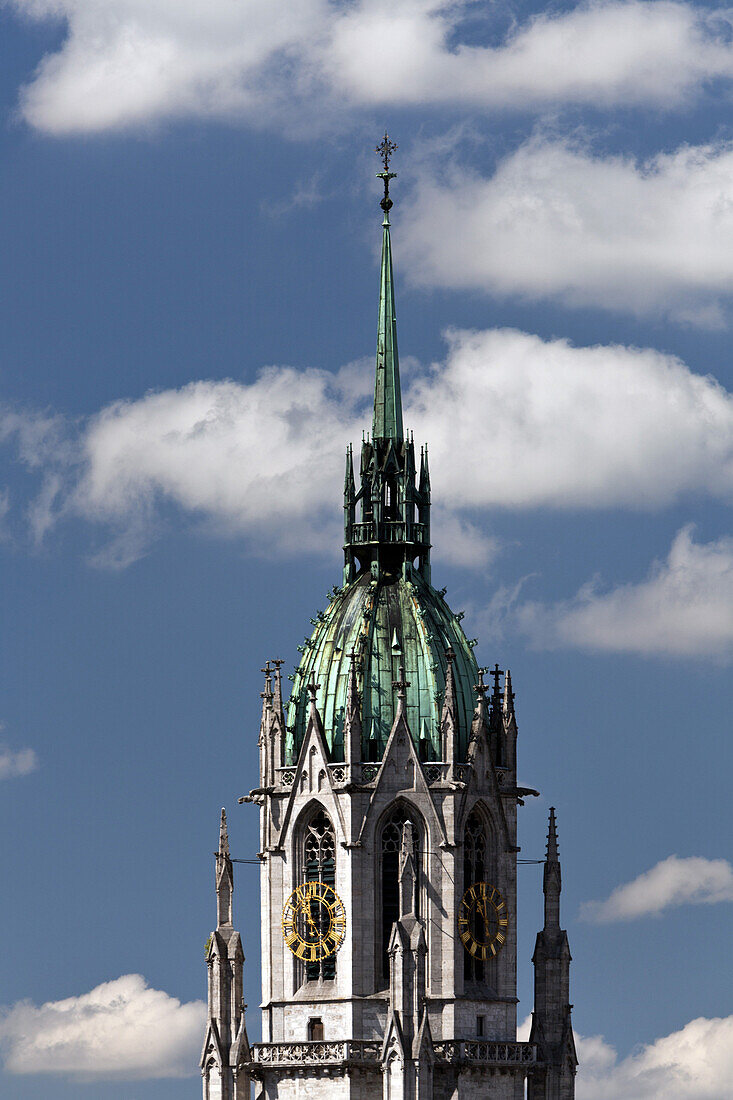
(122, 1030)
(672, 882)
(684, 607)
(16, 762)
(570, 427)
(124, 64)
(557, 221)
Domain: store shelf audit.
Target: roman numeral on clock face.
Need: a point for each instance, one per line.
(482, 920)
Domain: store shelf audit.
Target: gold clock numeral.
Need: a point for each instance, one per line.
(318, 910)
(482, 919)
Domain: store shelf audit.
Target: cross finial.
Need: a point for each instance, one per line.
(385, 149)
(495, 673)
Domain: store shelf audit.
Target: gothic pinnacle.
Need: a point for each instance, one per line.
(552, 852)
(223, 835)
(278, 662)
(552, 877)
(449, 716)
(508, 697)
(352, 718)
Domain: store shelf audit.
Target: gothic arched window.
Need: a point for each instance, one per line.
(319, 865)
(475, 869)
(390, 844)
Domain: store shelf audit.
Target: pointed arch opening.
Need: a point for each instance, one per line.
(389, 841)
(317, 851)
(479, 865)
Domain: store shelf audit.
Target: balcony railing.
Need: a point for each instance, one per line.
(316, 1053)
(467, 1052)
(386, 531)
(480, 1053)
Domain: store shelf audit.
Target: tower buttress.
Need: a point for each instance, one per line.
(226, 1052)
(552, 1028)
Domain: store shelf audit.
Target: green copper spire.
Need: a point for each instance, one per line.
(387, 422)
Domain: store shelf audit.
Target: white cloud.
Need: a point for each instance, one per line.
(264, 459)
(132, 62)
(548, 425)
(604, 53)
(15, 763)
(122, 1029)
(672, 882)
(129, 62)
(695, 1063)
(683, 608)
(556, 221)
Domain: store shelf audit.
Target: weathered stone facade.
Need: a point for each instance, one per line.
(393, 779)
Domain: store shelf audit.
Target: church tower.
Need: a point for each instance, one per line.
(388, 800)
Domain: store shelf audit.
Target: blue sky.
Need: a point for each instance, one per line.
(189, 241)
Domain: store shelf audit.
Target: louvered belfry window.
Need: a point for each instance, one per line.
(319, 865)
(390, 854)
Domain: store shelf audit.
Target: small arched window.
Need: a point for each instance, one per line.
(390, 844)
(475, 869)
(319, 865)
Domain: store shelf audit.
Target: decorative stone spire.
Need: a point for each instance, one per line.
(352, 718)
(508, 698)
(387, 423)
(278, 731)
(508, 735)
(480, 731)
(408, 873)
(552, 878)
(224, 876)
(551, 1021)
(313, 715)
(265, 740)
(226, 1052)
(449, 716)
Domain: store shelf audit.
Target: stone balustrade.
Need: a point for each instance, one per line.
(316, 1053)
(484, 1053)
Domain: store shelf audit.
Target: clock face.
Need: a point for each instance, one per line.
(314, 921)
(483, 920)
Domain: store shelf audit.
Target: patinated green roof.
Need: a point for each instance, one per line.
(385, 623)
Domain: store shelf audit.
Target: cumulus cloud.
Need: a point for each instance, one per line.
(695, 1063)
(128, 62)
(548, 425)
(557, 221)
(683, 608)
(605, 54)
(122, 1029)
(672, 882)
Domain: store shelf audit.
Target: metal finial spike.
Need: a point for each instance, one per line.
(385, 149)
